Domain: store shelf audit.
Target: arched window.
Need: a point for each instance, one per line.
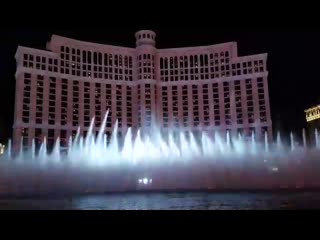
(186, 62)
(171, 62)
(100, 59)
(166, 65)
(161, 63)
(175, 62)
(106, 59)
(201, 60)
(195, 60)
(84, 56)
(110, 60)
(116, 60)
(206, 60)
(89, 57)
(95, 58)
(126, 62)
(191, 61)
(181, 62)
(120, 60)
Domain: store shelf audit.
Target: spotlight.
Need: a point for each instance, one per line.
(145, 181)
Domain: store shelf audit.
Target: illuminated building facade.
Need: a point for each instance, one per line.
(207, 88)
(313, 114)
(313, 122)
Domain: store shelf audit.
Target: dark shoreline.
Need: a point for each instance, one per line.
(69, 195)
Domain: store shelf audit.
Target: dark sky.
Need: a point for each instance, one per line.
(293, 63)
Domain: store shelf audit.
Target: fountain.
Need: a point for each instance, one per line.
(179, 159)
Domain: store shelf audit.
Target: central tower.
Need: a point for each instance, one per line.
(146, 77)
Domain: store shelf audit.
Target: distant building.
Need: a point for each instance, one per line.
(313, 122)
(206, 88)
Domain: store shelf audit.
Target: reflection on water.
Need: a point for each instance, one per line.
(177, 201)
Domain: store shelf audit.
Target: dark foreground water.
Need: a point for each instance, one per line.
(171, 201)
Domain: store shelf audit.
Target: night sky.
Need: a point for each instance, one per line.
(293, 62)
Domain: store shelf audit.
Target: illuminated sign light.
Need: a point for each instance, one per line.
(310, 119)
(312, 114)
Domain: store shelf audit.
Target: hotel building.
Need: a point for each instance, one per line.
(206, 88)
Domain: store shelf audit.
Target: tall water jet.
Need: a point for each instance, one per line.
(228, 140)
(239, 137)
(21, 149)
(219, 143)
(105, 142)
(114, 146)
(138, 149)
(253, 143)
(164, 148)
(317, 138)
(9, 151)
(238, 145)
(102, 129)
(43, 149)
(70, 144)
(89, 137)
(81, 143)
(128, 148)
(151, 151)
(184, 145)
(56, 150)
(304, 138)
(193, 145)
(207, 146)
(279, 142)
(174, 150)
(266, 142)
(77, 137)
(292, 142)
(33, 149)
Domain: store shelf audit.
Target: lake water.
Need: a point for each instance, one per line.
(171, 201)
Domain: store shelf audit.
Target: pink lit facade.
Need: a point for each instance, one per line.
(207, 88)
